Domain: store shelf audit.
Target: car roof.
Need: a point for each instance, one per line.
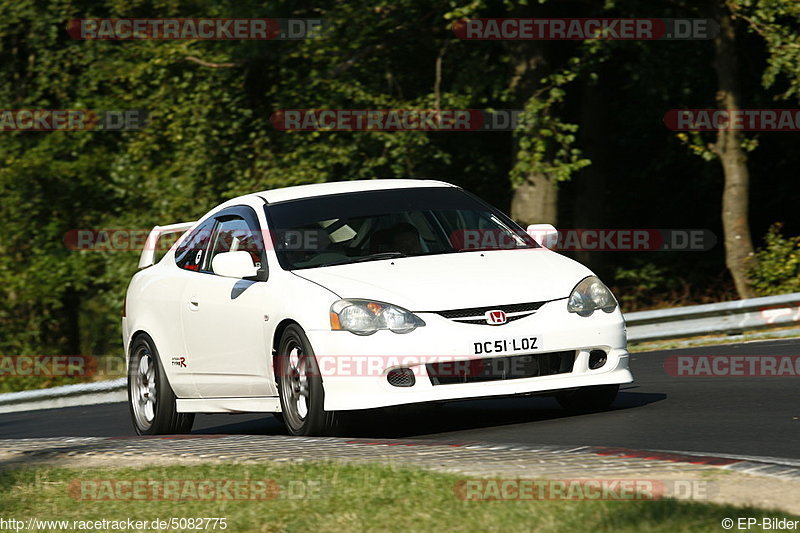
(344, 187)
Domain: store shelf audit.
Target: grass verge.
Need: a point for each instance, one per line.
(343, 498)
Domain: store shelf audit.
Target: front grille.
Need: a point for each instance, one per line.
(501, 368)
(475, 315)
(480, 311)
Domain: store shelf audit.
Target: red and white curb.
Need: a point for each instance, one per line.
(467, 457)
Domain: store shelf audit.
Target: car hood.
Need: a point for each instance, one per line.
(455, 281)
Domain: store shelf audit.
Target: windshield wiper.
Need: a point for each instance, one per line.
(378, 256)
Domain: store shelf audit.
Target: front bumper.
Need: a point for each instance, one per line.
(354, 368)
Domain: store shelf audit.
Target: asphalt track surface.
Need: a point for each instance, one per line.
(757, 416)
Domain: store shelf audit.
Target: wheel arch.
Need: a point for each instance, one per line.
(143, 333)
(132, 339)
(278, 333)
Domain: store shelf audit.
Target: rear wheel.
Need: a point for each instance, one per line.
(588, 398)
(300, 386)
(150, 398)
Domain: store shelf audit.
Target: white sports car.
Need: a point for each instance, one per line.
(313, 300)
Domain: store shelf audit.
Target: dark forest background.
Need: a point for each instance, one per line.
(594, 152)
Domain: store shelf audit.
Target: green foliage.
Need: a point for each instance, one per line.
(776, 22)
(777, 266)
(547, 141)
(633, 285)
(653, 284)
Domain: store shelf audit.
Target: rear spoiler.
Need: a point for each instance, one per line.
(149, 251)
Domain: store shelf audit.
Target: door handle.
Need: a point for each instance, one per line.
(194, 304)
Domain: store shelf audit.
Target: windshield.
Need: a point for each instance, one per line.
(375, 225)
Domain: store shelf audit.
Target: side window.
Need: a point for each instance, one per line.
(233, 234)
(190, 254)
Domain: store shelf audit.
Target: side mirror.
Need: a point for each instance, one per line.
(234, 265)
(544, 234)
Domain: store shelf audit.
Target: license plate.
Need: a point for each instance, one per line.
(505, 346)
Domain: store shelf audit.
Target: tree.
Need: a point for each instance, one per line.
(208, 138)
(728, 147)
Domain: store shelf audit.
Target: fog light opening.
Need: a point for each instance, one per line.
(401, 377)
(597, 358)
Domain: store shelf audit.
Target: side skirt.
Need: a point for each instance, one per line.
(267, 404)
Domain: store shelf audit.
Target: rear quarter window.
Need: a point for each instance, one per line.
(191, 253)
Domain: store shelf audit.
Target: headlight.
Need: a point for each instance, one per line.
(365, 317)
(591, 294)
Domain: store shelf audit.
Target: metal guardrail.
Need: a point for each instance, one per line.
(726, 318)
(65, 396)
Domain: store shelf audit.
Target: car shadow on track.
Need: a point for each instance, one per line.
(424, 419)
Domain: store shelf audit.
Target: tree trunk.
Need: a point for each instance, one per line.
(735, 224)
(535, 201)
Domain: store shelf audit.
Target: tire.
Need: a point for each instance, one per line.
(587, 399)
(300, 387)
(150, 398)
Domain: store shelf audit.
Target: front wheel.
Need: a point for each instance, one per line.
(300, 386)
(588, 398)
(150, 397)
